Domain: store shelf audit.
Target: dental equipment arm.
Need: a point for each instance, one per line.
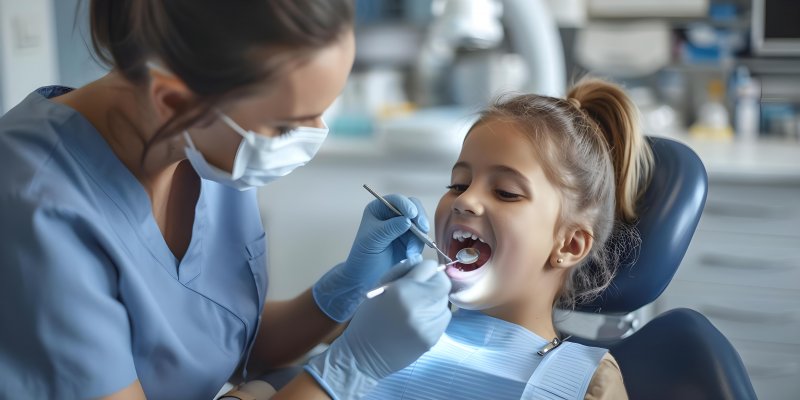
(478, 24)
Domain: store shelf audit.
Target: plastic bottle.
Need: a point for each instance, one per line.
(748, 105)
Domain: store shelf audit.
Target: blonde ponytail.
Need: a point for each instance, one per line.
(617, 119)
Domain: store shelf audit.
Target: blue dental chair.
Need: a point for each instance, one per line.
(679, 354)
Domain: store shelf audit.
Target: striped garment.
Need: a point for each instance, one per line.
(482, 357)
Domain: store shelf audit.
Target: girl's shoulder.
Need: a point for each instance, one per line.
(606, 383)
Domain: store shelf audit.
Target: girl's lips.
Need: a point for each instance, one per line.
(454, 272)
(462, 279)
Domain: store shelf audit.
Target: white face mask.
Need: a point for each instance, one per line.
(260, 159)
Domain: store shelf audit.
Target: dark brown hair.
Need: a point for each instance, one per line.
(593, 151)
(219, 49)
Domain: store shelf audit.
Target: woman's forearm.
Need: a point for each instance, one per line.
(289, 329)
(302, 387)
(133, 391)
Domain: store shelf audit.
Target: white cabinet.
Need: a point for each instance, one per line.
(742, 271)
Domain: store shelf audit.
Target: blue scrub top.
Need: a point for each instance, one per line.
(91, 297)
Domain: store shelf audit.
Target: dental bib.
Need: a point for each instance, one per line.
(482, 357)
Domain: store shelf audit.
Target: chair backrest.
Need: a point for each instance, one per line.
(668, 215)
(681, 355)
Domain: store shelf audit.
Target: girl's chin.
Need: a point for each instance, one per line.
(478, 294)
(479, 306)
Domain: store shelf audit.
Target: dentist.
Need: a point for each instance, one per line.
(132, 255)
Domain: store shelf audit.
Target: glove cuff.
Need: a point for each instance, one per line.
(338, 375)
(336, 299)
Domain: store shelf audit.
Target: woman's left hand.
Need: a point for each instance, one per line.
(383, 240)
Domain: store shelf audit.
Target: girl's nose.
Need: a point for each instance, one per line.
(468, 203)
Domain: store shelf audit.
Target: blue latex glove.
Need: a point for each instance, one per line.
(383, 239)
(388, 332)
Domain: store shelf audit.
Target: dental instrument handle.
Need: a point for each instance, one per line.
(379, 290)
(416, 231)
(422, 236)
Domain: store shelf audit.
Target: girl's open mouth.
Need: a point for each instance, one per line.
(462, 239)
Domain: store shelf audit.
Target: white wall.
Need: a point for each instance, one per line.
(76, 66)
(44, 42)
(28, 55)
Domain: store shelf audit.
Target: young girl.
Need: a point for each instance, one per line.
(539, 187)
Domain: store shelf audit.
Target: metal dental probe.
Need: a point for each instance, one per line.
(461, 258)
(416, 231)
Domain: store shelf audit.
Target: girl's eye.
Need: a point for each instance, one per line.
(458, 188)
(507, 195)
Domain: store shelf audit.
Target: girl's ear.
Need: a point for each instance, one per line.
(571, 248)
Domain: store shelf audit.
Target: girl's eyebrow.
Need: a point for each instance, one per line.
(525, 184)
(498, 168)
(505, 169)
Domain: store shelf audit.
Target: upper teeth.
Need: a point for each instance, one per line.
(463, 235)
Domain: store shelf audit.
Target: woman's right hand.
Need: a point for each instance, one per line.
(388, 332)
(383, 239)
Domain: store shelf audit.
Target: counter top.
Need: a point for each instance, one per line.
(764, 159)
(759, 160)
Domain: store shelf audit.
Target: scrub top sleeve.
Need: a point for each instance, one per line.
(64, 333)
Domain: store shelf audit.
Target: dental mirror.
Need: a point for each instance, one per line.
(467, 255)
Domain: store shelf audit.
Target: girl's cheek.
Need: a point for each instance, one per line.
(514, 265)
(509, 267)
(440, 215)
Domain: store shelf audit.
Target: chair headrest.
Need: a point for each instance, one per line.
(668, 215)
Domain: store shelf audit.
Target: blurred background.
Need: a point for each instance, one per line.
(720, 75)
